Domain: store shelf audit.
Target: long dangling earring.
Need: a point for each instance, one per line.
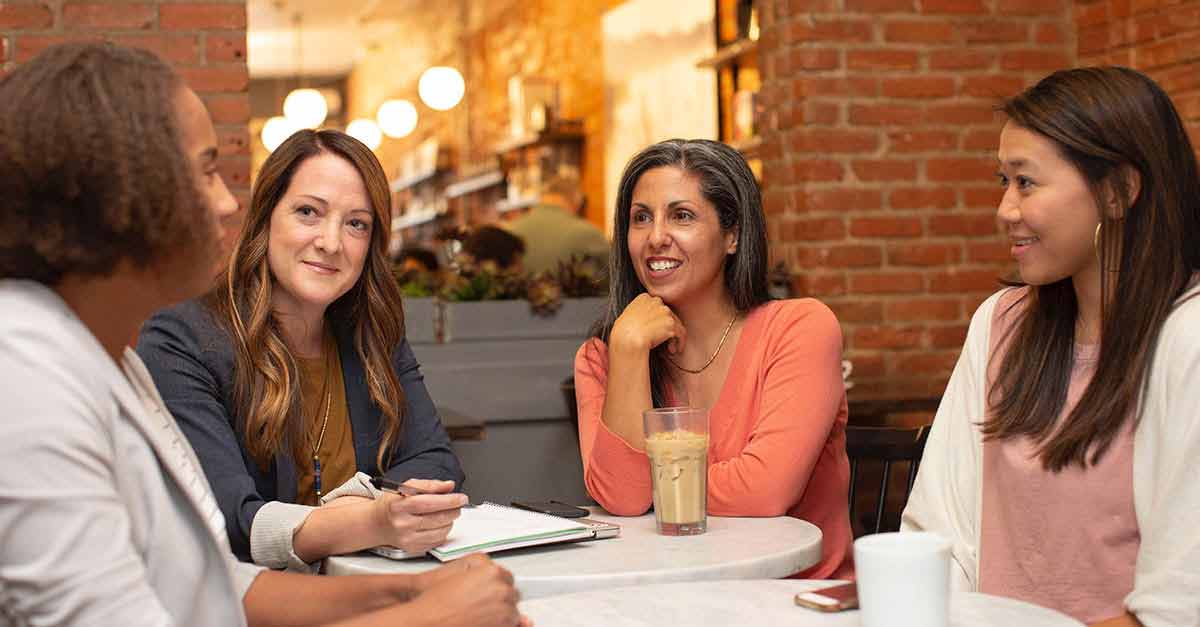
(1096, 242)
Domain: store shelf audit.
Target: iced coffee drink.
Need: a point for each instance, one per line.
(679, 470)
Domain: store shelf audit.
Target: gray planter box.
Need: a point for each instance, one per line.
(515, 320)
(420, 315)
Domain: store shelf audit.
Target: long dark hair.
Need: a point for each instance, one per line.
(725, 181)
(266, 384)
(1108, 123)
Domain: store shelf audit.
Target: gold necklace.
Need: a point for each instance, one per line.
(321, 439)
(715, 353)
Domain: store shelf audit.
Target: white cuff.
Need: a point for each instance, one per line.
(271, 536)
(358, 485)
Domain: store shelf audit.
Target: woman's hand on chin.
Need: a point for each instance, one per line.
(647, 322)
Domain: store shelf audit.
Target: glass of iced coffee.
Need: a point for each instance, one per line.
(677, 445)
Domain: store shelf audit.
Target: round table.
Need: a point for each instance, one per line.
(762, 602)
(732, 548)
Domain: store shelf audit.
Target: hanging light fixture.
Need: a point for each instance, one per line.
(397, 118)
(275, 131)
(305, 107)
(366, 131)
(441, 87)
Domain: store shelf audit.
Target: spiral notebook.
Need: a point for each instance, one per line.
(488, 528)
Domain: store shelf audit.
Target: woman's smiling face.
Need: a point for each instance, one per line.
(675, 240)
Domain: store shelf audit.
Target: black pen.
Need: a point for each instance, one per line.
(395, 487)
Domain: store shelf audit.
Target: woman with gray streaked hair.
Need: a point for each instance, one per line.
(689, 322)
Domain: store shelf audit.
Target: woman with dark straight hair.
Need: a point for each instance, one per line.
(112, 206)
(689, 322)
(1061, 461)
(293, 380)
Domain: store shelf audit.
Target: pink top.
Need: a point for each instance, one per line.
(777, 432)
(1066, 541)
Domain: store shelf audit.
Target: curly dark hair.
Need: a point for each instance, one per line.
(92, 167)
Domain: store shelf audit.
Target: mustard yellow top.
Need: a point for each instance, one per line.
(321, 379)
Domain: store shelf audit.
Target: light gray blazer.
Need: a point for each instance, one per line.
(105, 515)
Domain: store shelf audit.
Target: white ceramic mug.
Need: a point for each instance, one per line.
(903, 579)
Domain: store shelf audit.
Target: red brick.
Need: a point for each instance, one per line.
(1034, 59)
(827, 86)
(926, 362)
(823, 30)
(216, 79)
(948, 337)
(814, 59)
(833, 141)
(960, 114)
(108, 16)
(854, 256)
(922, 198)
(842, 199)
(774, 200)
(1031, 7)
(1090, 14)
(983, 197)
(974, 224)
(956, 281)
(228, 109)
(918, 87)
(924, 309)
(822, 112)
(173, 49)
(959, 169)
(922, 141)
(995, 31)
(884, 169)
(880, 6)
(813, 6)
(881, 59)
(884, 114)
(1093, 40)
(961, 60)
(234, 141)
(202, 16)
(886, 337)
(1047, 33)
(923, 254)
(814, 229)
(993, 86)
(235, 171)
(1168, 52)
(988, 251)
(983, 140)
(33, 16)
(817, 170)
(885, 227)
(858, 311)
(954, 7)
(225, 48)
(919, 32)
(819, 284)
(27, 47)
(887, 283)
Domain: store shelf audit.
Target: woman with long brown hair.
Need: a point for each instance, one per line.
(293, 380)
(1061, 464)
(112, 206)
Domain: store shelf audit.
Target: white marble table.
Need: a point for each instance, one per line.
(732, 548)
(750, 602)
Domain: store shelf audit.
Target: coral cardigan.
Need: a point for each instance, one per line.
(777, 433)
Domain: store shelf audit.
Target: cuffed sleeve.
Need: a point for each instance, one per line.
(272, 534)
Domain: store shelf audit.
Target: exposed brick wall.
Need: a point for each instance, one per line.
(879, 153)
(204, 41)
(1159, 37)
(542, 38)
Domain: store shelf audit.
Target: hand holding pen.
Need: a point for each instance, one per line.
(416, 515)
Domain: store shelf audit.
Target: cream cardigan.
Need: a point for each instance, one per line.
(1166, 489)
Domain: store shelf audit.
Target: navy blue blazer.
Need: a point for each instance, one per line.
(191, 359)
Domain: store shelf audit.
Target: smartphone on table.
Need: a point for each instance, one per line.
(554, 508)
(832, 599)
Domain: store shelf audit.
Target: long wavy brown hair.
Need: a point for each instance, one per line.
(1108, 122)
(266, 390)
